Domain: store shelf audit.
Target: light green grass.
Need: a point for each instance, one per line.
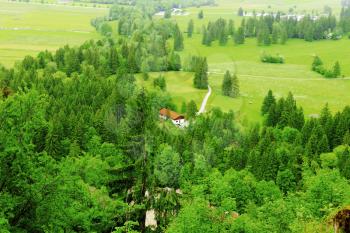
(28, 28)
(312, 91)
(179, 86)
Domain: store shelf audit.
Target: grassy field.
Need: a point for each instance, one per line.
(27, 28)
(311, 90)
(179, 86)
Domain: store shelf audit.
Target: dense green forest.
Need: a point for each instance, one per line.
(81, 145)
(82, 148)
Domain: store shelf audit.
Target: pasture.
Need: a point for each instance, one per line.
(28, 28)
(311, 90)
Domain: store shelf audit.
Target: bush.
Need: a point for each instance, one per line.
(145, 76)
(160, 82)
(267, 58)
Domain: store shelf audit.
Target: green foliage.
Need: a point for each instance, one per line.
(105, 29)
(191, 109)
(239, 36)
(160, 82)
(200, 80)
(267, 58)
(190, 28)
(227, 84)
(200, 14)
(269, 100)
(178, 39)
(336, 70)
(317, 66)
(167, 14)
(82, 149)
(167, 167)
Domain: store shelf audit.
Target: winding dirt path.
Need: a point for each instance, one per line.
(204, 102)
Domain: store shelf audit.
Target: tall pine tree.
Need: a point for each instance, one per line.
(178, 39)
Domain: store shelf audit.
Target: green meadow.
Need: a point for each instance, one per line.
(28, 28)
(311, 90)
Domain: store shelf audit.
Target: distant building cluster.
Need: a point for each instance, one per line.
(174, 11)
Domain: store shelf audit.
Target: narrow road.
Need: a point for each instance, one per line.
(204, 102)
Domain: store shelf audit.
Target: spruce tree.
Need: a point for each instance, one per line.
(239, 36)
(191, 109)
(263, 35)
(227, 84)
(269, 100)
(178, 39)
(271, 118)
(309, 33)
(284, 35)
(346, 138)
(206, 40)
(336, 70)
(316, 63)
(190, 28)
(223, 37)
(204, 74)
(201, 15)
(235, 86)
(200, 80)
(275, 33)
(231, 28)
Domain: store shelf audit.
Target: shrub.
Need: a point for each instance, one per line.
(160, 82)
(267, 58)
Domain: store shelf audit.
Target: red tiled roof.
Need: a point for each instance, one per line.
(170, 114)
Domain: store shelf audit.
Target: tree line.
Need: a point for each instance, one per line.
(271, 29)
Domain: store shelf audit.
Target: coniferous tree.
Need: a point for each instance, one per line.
(308, 33)
(336, 70)
(316, 63)
(276, 31)
(200, 14)
(200, 80)
(250, 27)
(174, 61)
(269, 100)
(206, 40)
(190, 28)
(226, 87)
(239, 36)
(263, 34)
(235, 86)
(346, 139)
(178, 39)
(284, 35)
(231, 27)
(191, 109)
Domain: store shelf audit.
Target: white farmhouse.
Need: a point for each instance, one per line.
(176, 118)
